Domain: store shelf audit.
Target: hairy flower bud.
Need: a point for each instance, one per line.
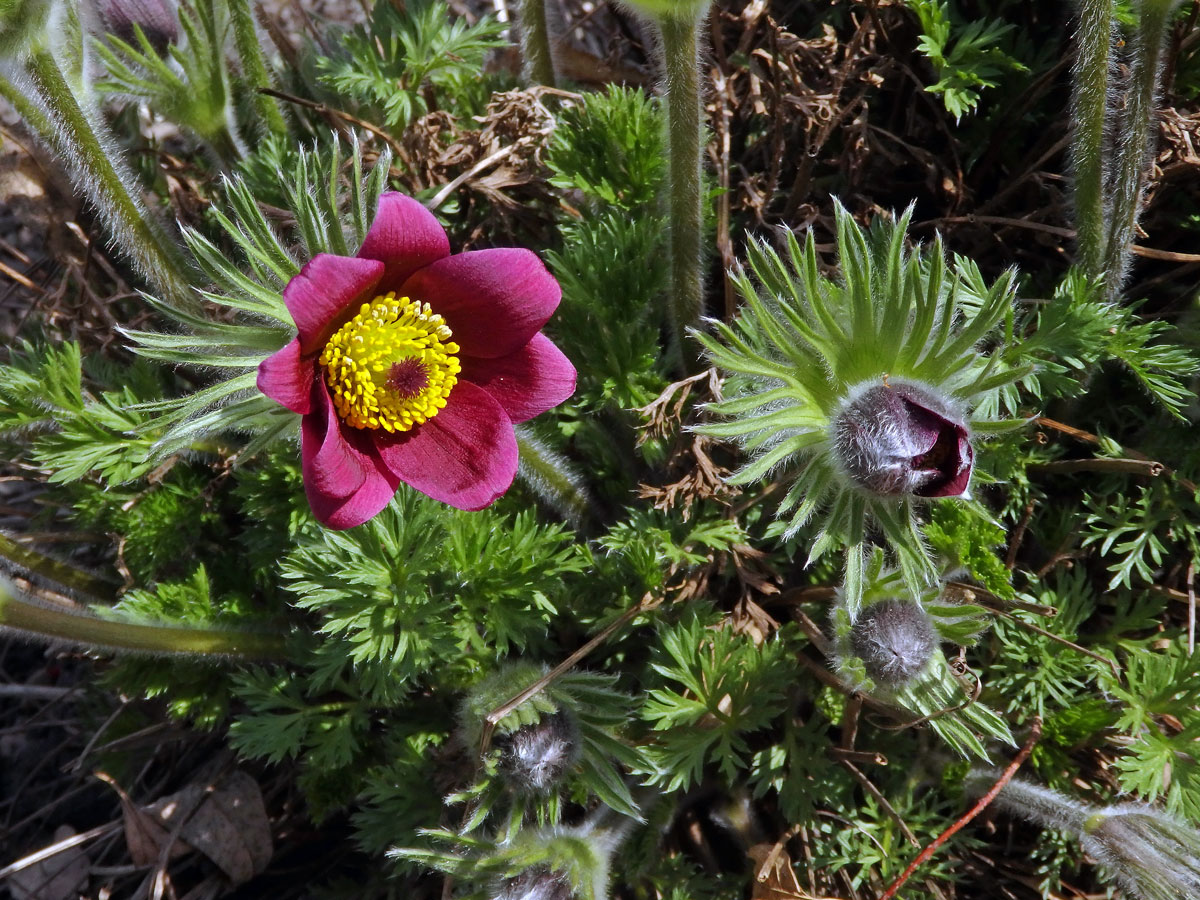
(895, 640)
(535, 884)
(1151, 854)
(157, 18)
(901, 437)
(536, 756)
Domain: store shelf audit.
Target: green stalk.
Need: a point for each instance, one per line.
(1135, 138)
(124, 216)
(254, 66)
(551, 477)
(44, 621)
(59, 572)
(33, 117)
(535, 42)
(1090, 89)
(681, 54)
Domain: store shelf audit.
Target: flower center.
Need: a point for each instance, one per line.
(392, 366)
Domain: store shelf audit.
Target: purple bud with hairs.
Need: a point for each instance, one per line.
(901, 437)
(157, 18)
(895, 639)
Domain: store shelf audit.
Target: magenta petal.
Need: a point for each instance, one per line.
(465, 456)
(365, 503)
(528, 382)
(405, 236)
(329, 289)
(333, 467)
(287, 378)
(493, 300)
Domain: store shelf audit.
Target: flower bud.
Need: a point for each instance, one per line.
(538, 883)
(900, 437)
(534, 757)
(895, 639)
(157, 18)
(1151, 854)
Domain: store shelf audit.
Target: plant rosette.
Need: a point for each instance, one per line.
(412, 364)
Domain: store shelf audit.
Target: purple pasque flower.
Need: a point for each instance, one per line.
(412, 365)
(894, 437)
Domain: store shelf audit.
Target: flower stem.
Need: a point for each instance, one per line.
(1134, 138)
(551, 477)
(1092, 71)
(535, 42)
(681, 55)
(77, 143)
(44, 621)
(59, 572)
(245, 36)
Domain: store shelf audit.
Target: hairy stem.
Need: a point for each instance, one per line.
(254, 66)
(125, 217)
(59, 572)
(1090, 96)
(1134, 145)
(44, 621)
(681, 54)
(552, 478)
(536, 43)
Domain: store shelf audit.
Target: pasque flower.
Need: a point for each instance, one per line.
(862, 393)
(412, 365)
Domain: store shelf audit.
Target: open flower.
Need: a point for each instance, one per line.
(411, 365)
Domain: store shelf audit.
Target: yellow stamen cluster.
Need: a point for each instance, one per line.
(392, 366)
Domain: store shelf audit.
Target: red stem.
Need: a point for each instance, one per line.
(1035, 732)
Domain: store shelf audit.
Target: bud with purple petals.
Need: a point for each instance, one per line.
(895, 437)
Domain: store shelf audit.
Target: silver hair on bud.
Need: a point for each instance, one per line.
(895, 640)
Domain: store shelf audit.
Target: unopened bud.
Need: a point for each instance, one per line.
(535, 884)
(895, 639)
(1153, 855)
(536, 756)
(902, 437)
(157, 18)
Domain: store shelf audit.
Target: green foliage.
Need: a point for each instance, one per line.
(74, 431)
(1077, 330)
(965, 535)
(718, 688)
(393, 66)
(967, 57)
(611, 148)
(192, 87)
(1161, 700)
(1036, 673)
